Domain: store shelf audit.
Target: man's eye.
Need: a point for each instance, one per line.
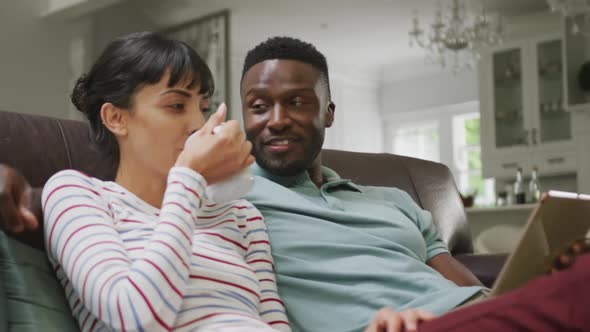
(259, 107)
(297, 102)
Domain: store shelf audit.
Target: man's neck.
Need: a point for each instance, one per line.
(315, 173)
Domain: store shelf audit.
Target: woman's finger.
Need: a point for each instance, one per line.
(394, 323)
(426, 315)
(215, 119)
(373, 326)
(410, 320)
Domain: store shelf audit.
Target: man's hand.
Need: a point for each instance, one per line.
(388, 320)
(15, 196)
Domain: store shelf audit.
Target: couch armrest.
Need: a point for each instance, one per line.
(486, 267)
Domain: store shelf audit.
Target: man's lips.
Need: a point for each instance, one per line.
(280, 144)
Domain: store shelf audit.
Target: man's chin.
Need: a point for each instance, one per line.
(282, 167)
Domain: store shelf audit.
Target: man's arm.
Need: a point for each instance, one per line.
(437, 252)
(17, 203)
(453, 270)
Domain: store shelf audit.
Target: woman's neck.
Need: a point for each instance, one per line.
(144, 183)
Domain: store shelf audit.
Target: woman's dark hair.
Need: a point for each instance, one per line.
(129, 63)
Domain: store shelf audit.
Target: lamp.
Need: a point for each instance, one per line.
(455, 39)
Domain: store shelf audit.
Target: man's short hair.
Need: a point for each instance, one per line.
(290, 49)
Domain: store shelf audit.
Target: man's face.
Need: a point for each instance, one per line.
(286, 109)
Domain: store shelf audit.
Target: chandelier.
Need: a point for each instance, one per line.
(578, 11)
(453, 40)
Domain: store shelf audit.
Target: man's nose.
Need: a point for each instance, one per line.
(279, 118)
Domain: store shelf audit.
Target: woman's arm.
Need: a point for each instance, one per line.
(272, 309)
(141, 294)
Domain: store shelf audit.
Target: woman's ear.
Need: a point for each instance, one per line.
(114, 119)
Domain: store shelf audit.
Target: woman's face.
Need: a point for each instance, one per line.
(159, 122)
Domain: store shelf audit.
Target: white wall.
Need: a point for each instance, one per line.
(34, 71)
(581, 132)
(357, 126)
(69, 9)
(425, 92)
(118, 20)
(357, 122)
(416, 85)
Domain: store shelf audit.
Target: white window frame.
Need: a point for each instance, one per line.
(429, 124)
(443, 116)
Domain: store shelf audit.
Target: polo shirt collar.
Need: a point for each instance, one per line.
(332, 178)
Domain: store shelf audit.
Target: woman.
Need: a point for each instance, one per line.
(149, 251)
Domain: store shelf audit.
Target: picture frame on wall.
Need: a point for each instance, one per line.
(209, 36)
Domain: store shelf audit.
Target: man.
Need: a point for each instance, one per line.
(342, 251)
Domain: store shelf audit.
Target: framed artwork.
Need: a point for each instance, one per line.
(209, 36)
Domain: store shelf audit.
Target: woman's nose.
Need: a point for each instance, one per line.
(196, 119)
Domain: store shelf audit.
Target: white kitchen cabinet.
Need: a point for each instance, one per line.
(523, 121)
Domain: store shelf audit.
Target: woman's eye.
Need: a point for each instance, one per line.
(205, 110)
(177, 107)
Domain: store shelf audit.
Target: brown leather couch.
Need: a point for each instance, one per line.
(41, 146)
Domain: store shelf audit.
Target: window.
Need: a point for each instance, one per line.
(418, 140)
(450, 135)
(467, 159)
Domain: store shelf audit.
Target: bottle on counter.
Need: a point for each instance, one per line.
(509, 194)
(519, 192)
(534, 186)
(502, 198)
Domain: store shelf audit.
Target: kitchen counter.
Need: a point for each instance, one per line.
(500, 209)
(497, 229)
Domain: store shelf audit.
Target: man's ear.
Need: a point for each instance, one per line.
(114, 119)
(330, 114)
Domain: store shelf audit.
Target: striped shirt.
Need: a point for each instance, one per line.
(190, 266)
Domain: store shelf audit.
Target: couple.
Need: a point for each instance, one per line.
(149, 251)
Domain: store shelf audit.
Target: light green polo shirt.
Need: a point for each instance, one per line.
(344, 251)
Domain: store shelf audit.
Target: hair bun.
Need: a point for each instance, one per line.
(80, 93)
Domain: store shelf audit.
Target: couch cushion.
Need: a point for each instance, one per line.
(33, 298)
(41, 146)
(3, 307)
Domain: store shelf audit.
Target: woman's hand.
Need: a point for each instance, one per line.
(566, 256)
(15, 192)
(388, 320)
(217, 156)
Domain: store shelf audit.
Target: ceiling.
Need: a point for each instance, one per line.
(355, 35)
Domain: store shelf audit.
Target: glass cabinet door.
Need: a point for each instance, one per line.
(554, 120)
(508, 98)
